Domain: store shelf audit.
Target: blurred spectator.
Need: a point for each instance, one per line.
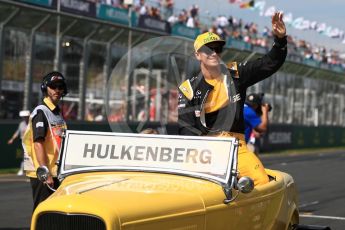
(117, 113)
(182, 17)
(231, 21)
(168, 8)
(149, 131)
(24, 114)
(154, 13)
(2, 105)
(141, 8)
(69, 110)
(194, 11)
(222, 21)
(231, 26)
(173, 19)
(266, 32)
(90, 112)
(192, 18)
(98, 113)
(115, 3)
(190, 22)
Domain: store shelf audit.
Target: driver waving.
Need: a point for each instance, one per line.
(207, 103)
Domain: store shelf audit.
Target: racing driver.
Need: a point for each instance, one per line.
(207, 101)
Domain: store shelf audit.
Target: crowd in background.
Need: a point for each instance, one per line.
(225, 26)
(229, 27)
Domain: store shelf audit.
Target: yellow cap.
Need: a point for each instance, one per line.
(206, 38)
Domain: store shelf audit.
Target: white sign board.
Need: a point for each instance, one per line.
(207, 157)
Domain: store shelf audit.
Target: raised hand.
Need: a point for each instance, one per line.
(278, 26)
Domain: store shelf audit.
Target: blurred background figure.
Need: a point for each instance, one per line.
(142, 8)
(256, 120)
(168, 8)
(253, 143)
(2, 105)
(24, 114)
(149, 131)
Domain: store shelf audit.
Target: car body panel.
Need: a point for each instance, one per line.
(268, 206)
(143, 200)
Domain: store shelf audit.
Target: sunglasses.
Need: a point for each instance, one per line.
(208, 50)
(61, 87)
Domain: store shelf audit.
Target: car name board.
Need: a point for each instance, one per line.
(207, 157)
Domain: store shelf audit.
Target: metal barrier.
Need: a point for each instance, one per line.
(278, 137)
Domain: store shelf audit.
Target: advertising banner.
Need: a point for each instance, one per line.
(79, 7)
(184, 31)
(46, 3)
(151, 23)
(116, 15)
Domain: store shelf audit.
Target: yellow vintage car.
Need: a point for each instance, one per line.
(128, 181)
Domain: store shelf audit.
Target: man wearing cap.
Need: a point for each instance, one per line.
(42, 139)
(210, 101)
(255, 119)
(255, 115)
(24, 114)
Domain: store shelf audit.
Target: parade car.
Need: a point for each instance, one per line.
(135, 181)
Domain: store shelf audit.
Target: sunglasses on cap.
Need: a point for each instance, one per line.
(208, 50)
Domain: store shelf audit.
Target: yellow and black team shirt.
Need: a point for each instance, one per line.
(45, 124)
(218, 98)
(196, 92)
(40, 124)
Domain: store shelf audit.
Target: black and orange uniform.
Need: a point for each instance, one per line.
(204, 106)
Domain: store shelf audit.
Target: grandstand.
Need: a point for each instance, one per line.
(85, 40)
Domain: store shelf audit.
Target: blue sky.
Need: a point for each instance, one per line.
(330, 12)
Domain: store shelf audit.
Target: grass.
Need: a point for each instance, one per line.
(9, 171)
(305, 151)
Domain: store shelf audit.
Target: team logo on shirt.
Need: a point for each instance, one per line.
(187, 90)
(39, 124)
(233, 69)
(236, 98)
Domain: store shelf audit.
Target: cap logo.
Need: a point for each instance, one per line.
(54, 78)
(206, 38)
(209, 39)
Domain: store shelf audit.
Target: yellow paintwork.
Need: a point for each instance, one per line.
(137, 200)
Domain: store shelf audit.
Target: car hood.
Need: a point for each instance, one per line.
(133, 197)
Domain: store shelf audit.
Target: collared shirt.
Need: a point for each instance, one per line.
(218, 97)
(40, 123)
